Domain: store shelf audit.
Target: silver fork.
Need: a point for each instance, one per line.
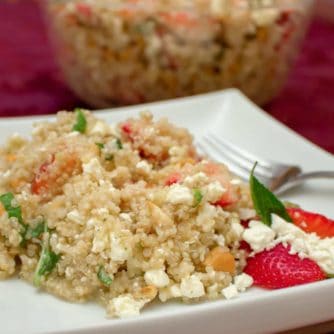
(276, 176)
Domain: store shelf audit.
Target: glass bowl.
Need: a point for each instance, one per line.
(119, 52)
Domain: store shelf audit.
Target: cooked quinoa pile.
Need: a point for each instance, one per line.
(131, 51)
(122, 215)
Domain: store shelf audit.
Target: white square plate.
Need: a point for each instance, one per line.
(23, 309)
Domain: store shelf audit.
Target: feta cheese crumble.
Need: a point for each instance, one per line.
(156, 277)
(305, 244)
(214, 191)
(230, 292)
(243, 282)
(258, 235)
(180, 195)
(125, 306)
(192, 287)
(144, 166)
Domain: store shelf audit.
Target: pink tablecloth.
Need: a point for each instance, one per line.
(30, 83)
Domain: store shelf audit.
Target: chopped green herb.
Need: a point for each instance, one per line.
(265, 202)
(100, 145)
(103, 276)
(12, 211)
(36, 231)
(198, 196)
(119, 144)
(109, 157)
(47, 261)
(81, 122)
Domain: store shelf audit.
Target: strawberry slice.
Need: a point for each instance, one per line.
(223, 202)
(245, 246)
(40, 181)
(173, 178)
(312, 222)
(277, 268)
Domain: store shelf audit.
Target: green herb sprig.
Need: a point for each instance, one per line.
(104, 277)
(265, 202)
(198, 196)
(81, 122)
(47, 261)
(14, 212)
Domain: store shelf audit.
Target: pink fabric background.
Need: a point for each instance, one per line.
(30, 83)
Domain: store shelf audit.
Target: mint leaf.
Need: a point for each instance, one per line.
(81, 122)
(265, 202)
(330, 276)
(198, 196)
(103, 276)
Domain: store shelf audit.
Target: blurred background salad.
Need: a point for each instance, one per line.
(62, 54)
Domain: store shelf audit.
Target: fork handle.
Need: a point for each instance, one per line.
(301, 178)
(315, 175)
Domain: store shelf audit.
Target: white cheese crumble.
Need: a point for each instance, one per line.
(246, 214)
(100, 240)
(73, 134)
(195, 180)
(258, 235)
(265, 16)
(125, 306)
(153, 47)
(126, 217)
(144, 166)
(235, 182)
(218, 7)
(305, 244)
(75, 217)
(242, 282)
(100, 128)
(219, 239)
(93, 167)
(237, 229)
(156, 277)
(170, 292)
(176, 151)
(192, 287)
(214, 191)
(118, 251)
(230, 292)
(178, 194)
(206, 217)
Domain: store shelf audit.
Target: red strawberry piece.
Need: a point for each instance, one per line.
(225, 201)
(84, 9)
(128, 131)
(126, 128)
(277, 268)
(245, 223)
(284, 18)
(244, 245)
(173, 178)
(40, 181)
(312, 222)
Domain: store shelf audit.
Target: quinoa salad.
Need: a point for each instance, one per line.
(128, 214)
(122, 215)
(128, 51)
